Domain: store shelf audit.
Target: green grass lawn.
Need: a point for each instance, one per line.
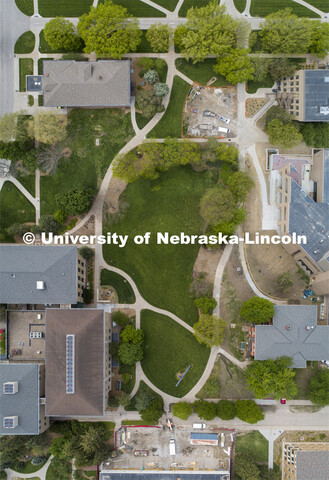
(120, 284)
(25, 68)
(303, 377)
(25, 43)
(191, 3)
(170, 349)
(53, 474)
(132, 422)
(139, 9)
(170, 124)
(64, 8)
(201, 72)
(40, 64)
(144, 46)
(129, 386)
(88, 163)
(29, 468)
(25, 6)
(240, 5)
(253, 86)
(253, 444)
(320, 4)
(90, 473)
(28, 181)
(141, 121)
(259, 8)
(168, 4)
(162, 273)
(14, 208)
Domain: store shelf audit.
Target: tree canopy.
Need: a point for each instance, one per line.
(272, 378)
(159, 36)
(319, 388)
(240, 184)
(47, 128)
(61, 34)
(108, 29)
(248, 411)
(205, 410)
(217, 205)
(284, 32)
(210, 330)
(245, 467)
(208, 31)
(75, 201)
(319, 39)
(130, 335)
(283, 134)
(205, 304)
(235, 66)
(130, 353)
(257, 310)
(182, 410)
(226, 409)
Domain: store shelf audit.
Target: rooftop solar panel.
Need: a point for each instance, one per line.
(70, 364)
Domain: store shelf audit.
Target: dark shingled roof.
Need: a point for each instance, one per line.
(316, 95)
(87, 325)
(306, 217)
(326, 175)
(312, 465)
(22, 266)
(24, 403)
(105, 83)
(273, 341)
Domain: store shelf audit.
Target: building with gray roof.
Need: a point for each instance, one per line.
(38, 274)
(21, 411)
(305, 461)
(105, 83)
(163, 475)
(294, 333)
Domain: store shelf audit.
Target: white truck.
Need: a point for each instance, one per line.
(199, 425)
(223, 129)
(172, 446)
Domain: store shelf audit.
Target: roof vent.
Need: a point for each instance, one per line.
(100, 77)
(10, 388)
(309, 327)
(288, 327)
(13, 275)
(41, 285)
(10, 422)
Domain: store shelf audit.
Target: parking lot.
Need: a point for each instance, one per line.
(148, 448)
(211, 112)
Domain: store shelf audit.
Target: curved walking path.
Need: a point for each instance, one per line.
(12, 474)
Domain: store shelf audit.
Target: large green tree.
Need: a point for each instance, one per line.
(257, 310)
(159, 36)
(319, 39)
(210, 330)
(153, 412)
(109, 30)
(245, 468)
(226, 409)
(235, 66)
(8, 127)
(130, 353)
(182, 410)
(131, 335)
(315, 134)
(248, 411)
(319, 388)
(284, 32)
(272, 378)
(240, 184)
(205, 410)
(217, 205)
(284, 135)
(208, 31)
(61, 34)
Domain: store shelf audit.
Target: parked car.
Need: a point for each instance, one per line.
(325, 362)
(209, 113)
(223, 119)
(199, 425)
(283, 400)
(222, 440)
(194, 110)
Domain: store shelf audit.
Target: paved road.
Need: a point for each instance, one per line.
(13, 24)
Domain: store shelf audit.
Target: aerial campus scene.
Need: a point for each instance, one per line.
(164, 229)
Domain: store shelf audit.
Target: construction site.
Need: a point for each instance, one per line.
(211, 112)
(171, 449)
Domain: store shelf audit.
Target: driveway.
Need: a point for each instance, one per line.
(13, 24)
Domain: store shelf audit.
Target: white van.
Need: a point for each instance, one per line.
(199, 425)
(222, 440)
(172, 446)
(223, 129)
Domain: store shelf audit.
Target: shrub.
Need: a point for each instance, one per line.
(121, 319)
(151, 76)
(60, 216)
(205, 304)
(86, 253)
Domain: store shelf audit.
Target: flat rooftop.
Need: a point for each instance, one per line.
(316, 96)
(20, 326)
(34, 83)
(75, 362)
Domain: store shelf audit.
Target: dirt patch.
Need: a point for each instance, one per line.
(207, 261)
(113, 193)
(253, 105)
(88, 228)
(232, 381)
(221, 102)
